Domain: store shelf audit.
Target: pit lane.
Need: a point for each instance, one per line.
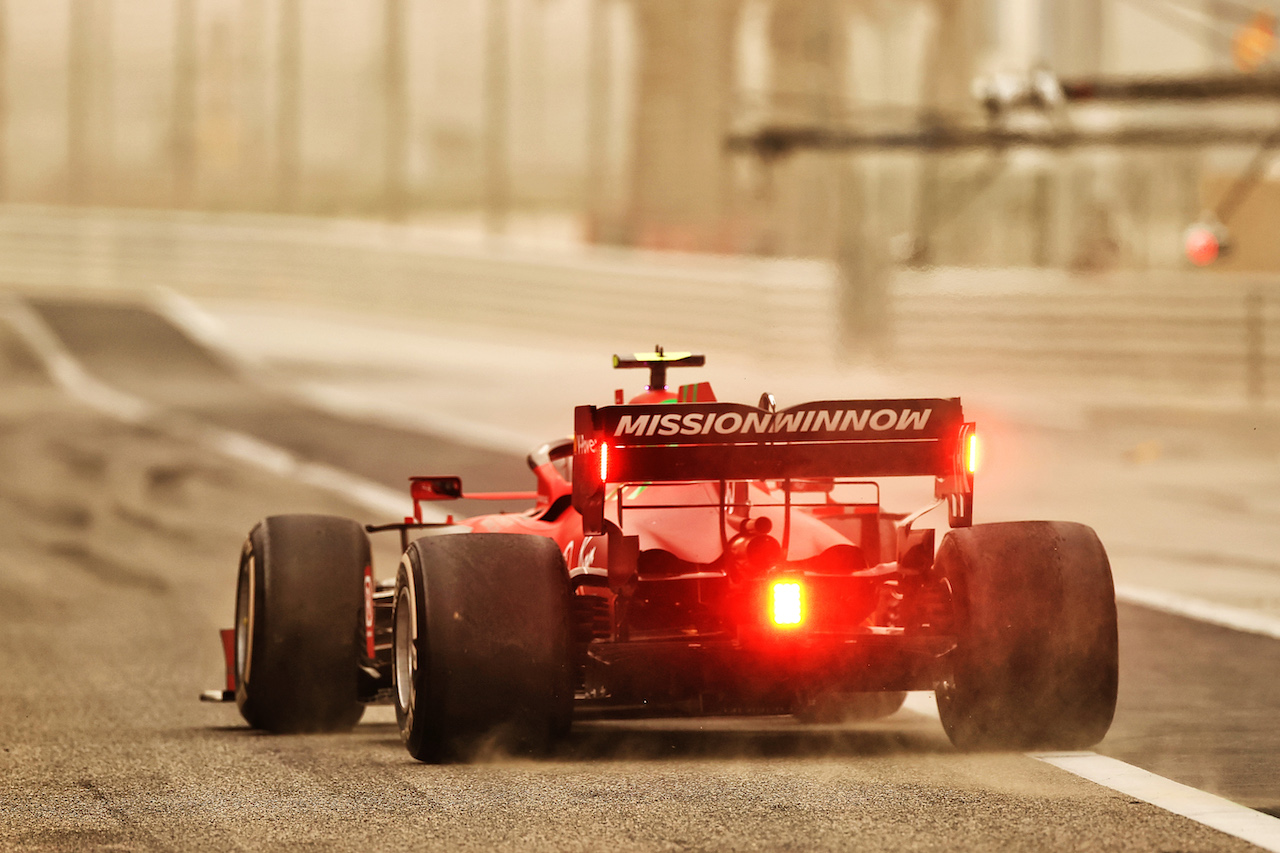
(119, 542)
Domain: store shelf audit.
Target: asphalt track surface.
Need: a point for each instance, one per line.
(117, 552)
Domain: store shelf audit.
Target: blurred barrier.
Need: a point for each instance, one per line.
(621, 298)
(1170, 332)
(1150, 333)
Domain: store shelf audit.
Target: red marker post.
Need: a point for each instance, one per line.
(1204, 243)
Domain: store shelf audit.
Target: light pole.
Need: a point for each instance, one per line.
(184, 103)
(395, 109)
(497, 166)
(288, 85)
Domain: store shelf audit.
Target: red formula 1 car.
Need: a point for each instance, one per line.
(688, 556)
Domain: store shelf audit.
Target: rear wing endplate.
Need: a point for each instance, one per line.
(729, 441)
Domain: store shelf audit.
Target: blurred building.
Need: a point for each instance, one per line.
(608, 119)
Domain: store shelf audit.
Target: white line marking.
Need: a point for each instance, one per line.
(1209, 809)
(1204, 808)
(67, 373)
(460, 429)
(200, 325)
(922, 702)
(373, 496)
(1236, 618)
(208, 330)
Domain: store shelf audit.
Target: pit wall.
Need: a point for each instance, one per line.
(1188, 332)
(777, 308)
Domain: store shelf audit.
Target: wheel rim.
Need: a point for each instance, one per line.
(944, 690)
(406, 658)
(244, 619)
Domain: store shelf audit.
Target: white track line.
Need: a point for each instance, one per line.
(1204, 808)
(64, 370)
(209, 331)
(1236, 618)
(68, 374)
(199, 324)
(922, 702)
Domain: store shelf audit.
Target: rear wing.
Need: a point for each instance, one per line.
(729, 441)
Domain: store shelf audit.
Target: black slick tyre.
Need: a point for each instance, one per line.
(482, 645)
(299, 615)
(1036, 664)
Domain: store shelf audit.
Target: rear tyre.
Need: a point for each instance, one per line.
(299, 620)
(482, 645)
(1036, 664)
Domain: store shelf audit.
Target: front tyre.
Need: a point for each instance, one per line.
(299, 621)
(1036, 663)
(482, 644)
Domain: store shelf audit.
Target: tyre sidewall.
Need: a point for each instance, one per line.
(1036, 662)
(411, 712)
(492, 645)
(301, 670)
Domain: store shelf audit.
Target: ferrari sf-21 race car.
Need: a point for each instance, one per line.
(688, 556)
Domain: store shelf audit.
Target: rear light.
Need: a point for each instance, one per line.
(787, 603)
(604, 462)
(966, 452)
(369, 650)
(956, 487)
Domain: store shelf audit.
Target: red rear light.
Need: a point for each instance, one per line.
(1205, 242)
(370, 651)
(966, 452)
(787, 604)
(604, 462)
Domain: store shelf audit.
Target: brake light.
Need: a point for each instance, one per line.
(788, 605)
(971, 453)
(604, 462)
(369, 649)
